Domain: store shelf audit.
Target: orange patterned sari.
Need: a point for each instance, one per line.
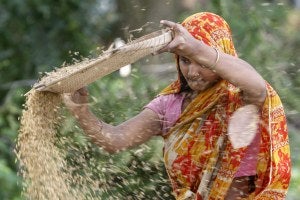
(199, 158)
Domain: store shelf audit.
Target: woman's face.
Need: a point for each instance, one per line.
(197, 77)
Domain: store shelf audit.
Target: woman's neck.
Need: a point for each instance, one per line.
(188, 98)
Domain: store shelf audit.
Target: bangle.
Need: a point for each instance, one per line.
(216, 62)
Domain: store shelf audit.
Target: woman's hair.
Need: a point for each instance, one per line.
(184, 87)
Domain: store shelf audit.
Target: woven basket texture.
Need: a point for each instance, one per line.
(73, 77)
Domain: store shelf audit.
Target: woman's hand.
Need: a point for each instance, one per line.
(183, 43)
(77, 100)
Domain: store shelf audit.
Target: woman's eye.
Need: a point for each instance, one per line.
(185, 60)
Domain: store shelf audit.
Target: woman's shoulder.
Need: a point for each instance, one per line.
(171, 97)
(163, 103)
(171, 100)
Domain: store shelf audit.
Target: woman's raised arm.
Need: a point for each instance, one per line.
(231, 68)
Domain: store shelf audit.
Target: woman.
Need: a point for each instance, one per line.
(192, 115)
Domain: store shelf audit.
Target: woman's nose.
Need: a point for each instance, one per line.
(194, 70)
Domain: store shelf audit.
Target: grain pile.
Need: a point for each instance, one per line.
(43, 166)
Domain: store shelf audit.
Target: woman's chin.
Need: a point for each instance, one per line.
(196, 86)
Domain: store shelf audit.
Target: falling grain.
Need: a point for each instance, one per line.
(43, 166)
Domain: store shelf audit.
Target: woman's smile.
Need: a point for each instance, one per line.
(198, 77)
(197, 83)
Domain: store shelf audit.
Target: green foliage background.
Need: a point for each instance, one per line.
(36, 36)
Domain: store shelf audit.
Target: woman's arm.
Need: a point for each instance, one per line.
(235, 70)
(130, 133)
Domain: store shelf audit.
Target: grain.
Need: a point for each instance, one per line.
(43, 165)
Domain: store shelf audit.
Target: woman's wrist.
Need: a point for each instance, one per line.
(197, 50)
(205, 55)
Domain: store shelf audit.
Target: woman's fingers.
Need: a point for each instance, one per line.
(172, 44)
(175, 27)
(83, 91)
(168, 23)
(78, 97)
(167, 48)
(183, 43)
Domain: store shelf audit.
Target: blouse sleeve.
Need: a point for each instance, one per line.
(158, 106)
(168, 109)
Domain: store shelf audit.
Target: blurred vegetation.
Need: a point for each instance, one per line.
(37, 36)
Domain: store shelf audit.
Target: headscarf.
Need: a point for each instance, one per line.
(197, 149)
(214, 31)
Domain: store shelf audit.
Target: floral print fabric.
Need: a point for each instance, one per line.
(199, 158)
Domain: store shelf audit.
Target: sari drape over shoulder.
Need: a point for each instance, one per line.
(199, 158)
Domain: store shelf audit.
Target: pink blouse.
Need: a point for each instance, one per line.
(168, 109)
